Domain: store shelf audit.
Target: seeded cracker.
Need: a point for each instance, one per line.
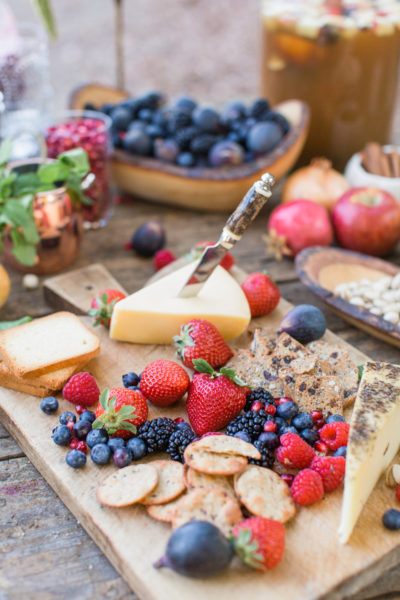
(227, 444)
(195, 479)
(163, 512)
(319, 393)
(213, 463)
(170, 484)
(128, 485)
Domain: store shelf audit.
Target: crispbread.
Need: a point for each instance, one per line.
(213, 463)
(350, 383)
(170, 484)
(264, 493)
(19, 386)
(331, 353)
(288, 379)
(47, 344)
(322, 393)
(263, 342)
(128, 485)
(195, 479)
(163, 512)
(53, 380)
(249, 368)
(226, 444)
(208, 504)
(287, 350)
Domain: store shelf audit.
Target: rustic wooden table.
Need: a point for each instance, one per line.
(45, 553)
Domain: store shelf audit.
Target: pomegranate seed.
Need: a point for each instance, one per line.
(320, 423)
(128, 246)
(73, 443)
(321, 447)
(287, 478)
(316, 415)
(79, 409)
(257, 406)
(270, 426)
(70, 425)
(81, 446)
(270, 409)
(283, 400)
(179, 420)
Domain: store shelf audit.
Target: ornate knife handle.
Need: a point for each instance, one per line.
(250, 206)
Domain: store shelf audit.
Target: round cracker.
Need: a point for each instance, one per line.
(213, 463)
(196, 479)
(163, 512)
(264, 493)
(170, 484)
(128, 485)
(227, 444)
(208, 504)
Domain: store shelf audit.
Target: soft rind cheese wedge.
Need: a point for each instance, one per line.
(154, 314)
(373, 441)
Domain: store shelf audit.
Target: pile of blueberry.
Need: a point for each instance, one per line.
(188, 135)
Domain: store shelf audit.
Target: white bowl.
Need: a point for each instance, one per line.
(357, 176)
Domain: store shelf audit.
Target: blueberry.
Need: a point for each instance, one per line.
(185, 103)
(287, 410)
(100, 454)
(137, 447)
(154, 131)
(206, 119)
(243, 435)
(148, 238)
(263, 137)
(269, 439)
(145, 114)
(310, 436)
(342, 451)
(49, 405)
(160, 119)
(288, 429)
(96, 436)
(234, 136)
(121, 117)
(138, 142)
(116, 443)
(87, 415)
(130, 379)
(232, 111)
(81, 429)
(122, 457)
(280, 423)
(303, 420)
(117, 140)
(259, 109)
(61, 435)
(225, 153)
(137, 126)
(107, 108)
(166, 149)
(66, 417)
(186, 159)
(75, 459)
(89, 106)
(183, 425)
(279, 119)
(391, 519)
(152, 100)
(335, 418)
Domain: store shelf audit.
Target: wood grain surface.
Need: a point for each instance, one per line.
(36, 560)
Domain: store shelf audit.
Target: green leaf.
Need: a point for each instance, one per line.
(53, 173)
(77, 159)
(360, 371)
(103, 399)
(46, 14)
(5, 151)
(26, 183)
(18, 216)
(23, 251)
(202, 366)
(8, 324)
(128, 426)
(231, 374)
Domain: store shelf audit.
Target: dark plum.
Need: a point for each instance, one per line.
(206, 119)
(225, 154)
(263, 137)
(305, 323)
(185, 103)
(138, 142)
(197, 549)
(185, 159)
(166, 150)
(148, 238)
(121, 117)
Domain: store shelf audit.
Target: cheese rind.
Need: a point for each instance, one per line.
(154, 314)
(373, 441)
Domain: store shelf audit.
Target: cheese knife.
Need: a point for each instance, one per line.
(232, 232)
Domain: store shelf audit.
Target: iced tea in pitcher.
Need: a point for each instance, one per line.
(342, 58)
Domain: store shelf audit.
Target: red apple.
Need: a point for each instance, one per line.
(367, 220)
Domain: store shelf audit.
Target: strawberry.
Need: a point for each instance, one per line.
(201, 339)
(214, 398)
(162, 258)
(164, 382)
(262, 294)
(307, 487)
(259, 542)
(81, 389)
(121, 411)
(227, 262)
(294, 452)
(331, 469)
(103, 305)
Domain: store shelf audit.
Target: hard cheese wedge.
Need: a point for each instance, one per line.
(154, 314)
(374, 439)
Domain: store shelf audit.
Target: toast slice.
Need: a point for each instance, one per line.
(8, 381)
(47, 344)
(55, 380)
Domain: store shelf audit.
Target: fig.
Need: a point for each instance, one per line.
(148, 239)
(305, 323)
(197, 549)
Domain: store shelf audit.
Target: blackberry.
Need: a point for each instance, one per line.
(184, 136)
(259, 393)
(267, 456)
(202, 143)
(178, 442)
(251, 422)
(156, 433)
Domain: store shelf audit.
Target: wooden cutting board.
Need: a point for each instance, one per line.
(315, 565)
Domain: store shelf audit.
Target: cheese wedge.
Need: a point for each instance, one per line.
(373, 441)
(154, 314)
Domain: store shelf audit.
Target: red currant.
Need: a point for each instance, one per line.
(321, 447)
(178, 420)
(316, 415)
(257, 406)
(128, 246)
(73, 443)
(270, 409)
(270, 426)
(319, 423)
(287, 478)
(282, 400)
(79, 409)
(81, 446)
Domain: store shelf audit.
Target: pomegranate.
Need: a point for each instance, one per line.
(297, 225)
(367, 220)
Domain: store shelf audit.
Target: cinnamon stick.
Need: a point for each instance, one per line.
(372, 158)
(394, 159)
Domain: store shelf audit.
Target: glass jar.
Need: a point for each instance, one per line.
(91, 131)
(342, 58)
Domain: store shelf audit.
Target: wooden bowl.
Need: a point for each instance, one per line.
(322, 269)
(201, 188)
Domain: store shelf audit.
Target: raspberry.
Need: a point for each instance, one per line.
(81, 389)
(331, 469)
(162, 258)
(307, 487)
(294, 451)
(335, 434)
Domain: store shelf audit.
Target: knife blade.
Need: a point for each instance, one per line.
(232, 232)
